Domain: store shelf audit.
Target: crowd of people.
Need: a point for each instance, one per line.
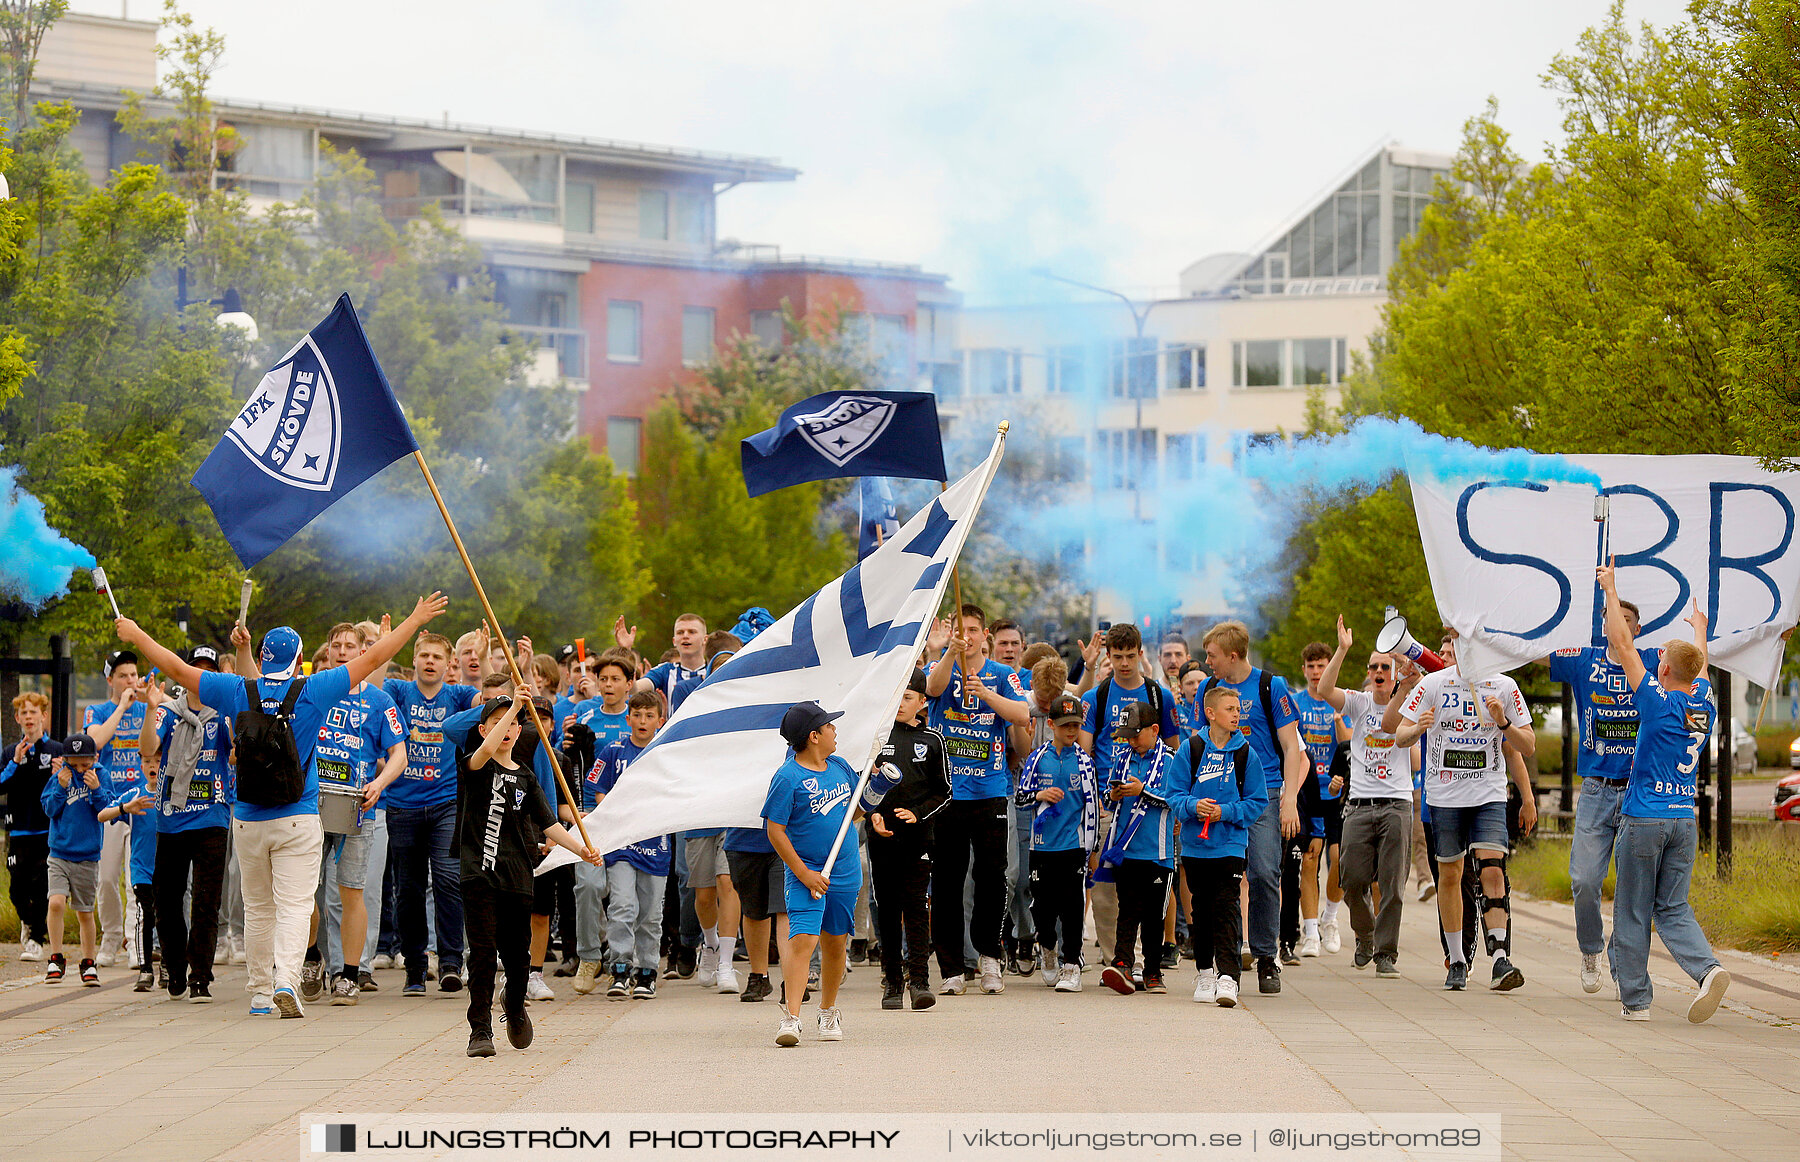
(323, 821)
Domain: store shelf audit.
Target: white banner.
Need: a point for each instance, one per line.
(851, 646)
(1512, 565)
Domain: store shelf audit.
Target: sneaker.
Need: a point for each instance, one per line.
(145, 982)
(1332, 942)
(1268, 976)
(690, 964)
(1506, 977)
(262, 1005)
(645, 988)
(922, 996)
(1365, 952)
(728, 979)
(365, 983)
(174, 988)
(481, 1043)
(587, 977)
(1047, 966)
(831, 1024)
(1635, 1014)
(953, 986)
(31, 950)
(1206, 989)
(288, 1002)
(709, 967)
(991, 980)
(1115, 977)
(538, 989)
(1068, 978)
(1288, 955)
(90, 976)
(1246, 961)
(1153, 983)
(892, 995)
(788, 1034)
(858, 953)
(222, 954)
(805, 995)
(1137, 979)
(108, 957)
(1712, 991)
(757, 988)
(344, 990)
(383, 960)
(414, 988)
(1171, 957)
(312, 978)
(1309, 946)
(199, 993)
(53, 972)
(621, 982)
(451, 981)
(1228, 992)
(162, 977)
(1590, 972)
(1386, 969)
(237, 950)
(518, 1029)
(1457, 978)
(1426, 891)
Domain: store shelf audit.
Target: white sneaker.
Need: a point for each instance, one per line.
(1053, 973)
(222, 954)
(1309, 946)
(1068, 979)
(382, 960)
(1328, 932)
(728, 979)
(1712, 991)
(991, 980)
(31, 950)
(1227, 992)
(1206, 989)
(709, 966)
(1635, 1014)
(237, 951)
(107, 958)
(953, 986)
(1048, 967)
(831, 1024)
(1590, 972)
(788, 1034)
(537, 989)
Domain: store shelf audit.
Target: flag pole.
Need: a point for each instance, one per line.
(537, 723)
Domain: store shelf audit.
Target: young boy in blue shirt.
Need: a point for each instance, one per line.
(1217, 790)
(638, 873)
(809, 799)
(1140, 850)
(1059, 779)
(75, 794)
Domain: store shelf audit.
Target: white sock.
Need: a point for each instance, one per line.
(710, 937)
(1329, 916)
(1454, 940)
(727, 949)
(1310, 928)
(1499, 935)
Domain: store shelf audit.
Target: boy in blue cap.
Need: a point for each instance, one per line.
(1140, 849)
(1059, 780)
(73, 798)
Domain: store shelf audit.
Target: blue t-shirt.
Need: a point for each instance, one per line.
(1153, 839)
(1673, 728)
(1110, 752)
(813, 805)
(357, 733)
(143, 842)
(120, 758)
(226, 694)
(1188, 717)
(975, 734)
(430, 776)
(1318, 734)
(210, 788)
(651, 856)
(1255, 723)
(1057, 826)
(1606, 706)
(607, 727)
(665, 676)
(748, 840)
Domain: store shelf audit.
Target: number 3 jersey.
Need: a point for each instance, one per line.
(1672, 729)
(1463, 763)
(1606, 706)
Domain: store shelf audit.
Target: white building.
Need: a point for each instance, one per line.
(1146, 393)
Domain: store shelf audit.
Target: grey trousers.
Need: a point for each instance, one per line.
(1376, 848)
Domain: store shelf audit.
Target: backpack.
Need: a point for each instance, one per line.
(1309, 790)
(186, 741)
(1151, 688)
(1196, 747)
(268, 761)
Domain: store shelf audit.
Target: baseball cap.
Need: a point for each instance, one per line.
(495, 706)
(565, 653)
(79, 746)
(916, 683)
(1136, 717)
(802, 719)
(280, 653)
(1064, 708)
(204, 656)
(118, 658)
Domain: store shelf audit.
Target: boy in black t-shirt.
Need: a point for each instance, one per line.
(500, 813)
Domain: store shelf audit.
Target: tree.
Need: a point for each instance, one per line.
(23, 24)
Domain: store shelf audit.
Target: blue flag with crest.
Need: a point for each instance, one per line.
(321, 421)
(880, 519)
(847, 433)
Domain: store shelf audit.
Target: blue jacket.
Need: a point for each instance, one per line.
(1071, 823)
(1214, 777)
(74, 811)
(1153, 837)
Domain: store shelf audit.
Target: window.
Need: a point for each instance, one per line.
(993, 371)
(1125, 458)
(1131, 368)
(766, 326)
(1243, 442)
(578, 207)
(689, 225)
(622, 436)
(1184, 455)
(1312, 361)
(653, 215)
(624, 332)
(1343, 361)
(543, 305)
(1258, 363)
(696, 335)
(1066, 369)
(1184, 367)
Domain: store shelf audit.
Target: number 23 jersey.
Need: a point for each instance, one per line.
(1463, 763)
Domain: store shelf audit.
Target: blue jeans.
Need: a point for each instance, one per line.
(1263, 858)
(1655, 863)
(419, 844)
(1596, 826)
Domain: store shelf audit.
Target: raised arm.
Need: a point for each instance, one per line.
(938, 680)
(490, 745)
(1700, 622)
(1618, 634)
(388, 644)
(157, 654)
(1328, 681)
(102, 732)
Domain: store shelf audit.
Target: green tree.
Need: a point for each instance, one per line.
(23, 24)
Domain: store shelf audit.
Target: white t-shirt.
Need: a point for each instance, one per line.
(1378, 769)
(1463, 763)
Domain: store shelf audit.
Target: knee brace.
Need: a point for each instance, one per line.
(1503, 903)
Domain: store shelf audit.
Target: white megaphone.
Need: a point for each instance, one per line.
(1395, 638)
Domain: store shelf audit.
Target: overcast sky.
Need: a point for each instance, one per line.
(1114, 142)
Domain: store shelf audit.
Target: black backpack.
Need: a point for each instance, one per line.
(1309, 790)
(269, 773)
(1104, 691)
(1240, 757)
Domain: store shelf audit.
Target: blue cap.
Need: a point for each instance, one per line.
(280, 653)
(802, 719)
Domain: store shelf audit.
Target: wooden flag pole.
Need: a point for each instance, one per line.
(537, 723)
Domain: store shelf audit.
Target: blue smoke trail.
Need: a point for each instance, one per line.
(38, 560)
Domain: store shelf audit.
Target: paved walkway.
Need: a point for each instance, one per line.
(104, 1073)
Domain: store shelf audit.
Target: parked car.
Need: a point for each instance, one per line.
(1786, 806)
(1794, 754)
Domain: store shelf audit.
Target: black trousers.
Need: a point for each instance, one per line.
(497, 923)
(1059, 896)
(188, 945)
(30, 885)
(963, 828)
(900, 879)
(1143, 890)
(1217, 923)
(1292, 852)
(145, 894)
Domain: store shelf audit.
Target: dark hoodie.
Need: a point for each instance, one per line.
(924, 785)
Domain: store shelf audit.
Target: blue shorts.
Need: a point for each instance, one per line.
(834, 914)
(1460, 828)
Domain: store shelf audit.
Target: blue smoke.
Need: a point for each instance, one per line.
(38, 560)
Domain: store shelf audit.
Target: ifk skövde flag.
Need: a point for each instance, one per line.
(321, 421)
(879, 518)
(847, 433)
(851, 646)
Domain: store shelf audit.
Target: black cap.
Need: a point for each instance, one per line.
(801, 720)
(118, 658)
(495, 706)
(204, 656)
(916, 683)
(78, 746)
(1064, 708)
(1137, 716)
(565, 653)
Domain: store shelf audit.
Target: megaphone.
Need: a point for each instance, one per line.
(1395, 638)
